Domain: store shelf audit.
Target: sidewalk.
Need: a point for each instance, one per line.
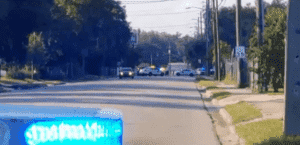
(271, 106)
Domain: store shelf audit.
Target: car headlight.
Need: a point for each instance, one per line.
(121, 73)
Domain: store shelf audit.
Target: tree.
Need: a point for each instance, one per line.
(101, 22)
(271, 54)
(37, 54)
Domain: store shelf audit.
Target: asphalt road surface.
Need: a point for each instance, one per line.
(156, 110)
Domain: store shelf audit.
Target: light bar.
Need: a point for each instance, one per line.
(28, 125)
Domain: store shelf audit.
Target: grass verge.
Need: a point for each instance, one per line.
(208, 84)
(242, 111)
(8, 80)
(271, 92)
(262, 132)
(220, 95)
(229, 81)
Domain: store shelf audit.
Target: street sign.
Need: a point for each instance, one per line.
(35, 125)
(292, 69)
(135, 37)
(240, 51)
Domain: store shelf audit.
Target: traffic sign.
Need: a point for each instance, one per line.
(240, 51)
(135, 37)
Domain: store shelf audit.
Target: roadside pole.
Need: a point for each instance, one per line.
(32, 70)
(0, 67)
(259, 37)
(169, 59)
(207, 36)
(292, 67)
(217, 36)
(215, 40)
(238, 11)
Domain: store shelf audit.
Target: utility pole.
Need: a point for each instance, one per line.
(218, 45)
(151, 58)
(207, 35)
(238, 11)
(201, 23)
(215, 40)
(198, 28)
(169, 59)
(259, 35)
(32, 70)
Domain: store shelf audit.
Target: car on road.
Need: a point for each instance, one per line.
(200, 71)
(156, 72)
(145, 71)
(126, 72)
(148, 71)
(185, 72)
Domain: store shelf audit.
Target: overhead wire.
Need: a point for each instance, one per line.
(169, 26)
(143, 2)
(164, 14)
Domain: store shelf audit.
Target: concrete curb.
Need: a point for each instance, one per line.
(232, 138)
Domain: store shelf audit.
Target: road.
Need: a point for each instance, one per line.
(156, 110)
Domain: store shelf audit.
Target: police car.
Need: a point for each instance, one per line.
(126, 72)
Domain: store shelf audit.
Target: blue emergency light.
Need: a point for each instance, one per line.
(41, 125)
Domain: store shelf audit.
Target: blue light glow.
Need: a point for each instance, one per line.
(106, 131)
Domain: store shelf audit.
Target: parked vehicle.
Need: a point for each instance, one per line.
(149, 72)
(126, 72)
(145, 71)
(200, 71)
(185, 72)
(156, 72)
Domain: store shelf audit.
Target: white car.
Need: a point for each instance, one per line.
(145, 71)
(185, 72)
(149, 72)
(156, 72)
(200, 71)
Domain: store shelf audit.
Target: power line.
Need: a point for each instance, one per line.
(165, 14)
(142, 2)
(169, 26)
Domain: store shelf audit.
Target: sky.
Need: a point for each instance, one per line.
(170, 16)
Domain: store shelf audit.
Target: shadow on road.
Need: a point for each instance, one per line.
(114, 102)
(106, 95)
(95, 87)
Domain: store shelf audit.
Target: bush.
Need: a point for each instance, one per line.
(16, 73)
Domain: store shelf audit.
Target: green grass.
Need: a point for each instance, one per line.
(8, 80)
(229, 81)
(207, 83)
(242, 111)
(212, 87)
(260, 132)
(271, 92)
(220, 95)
